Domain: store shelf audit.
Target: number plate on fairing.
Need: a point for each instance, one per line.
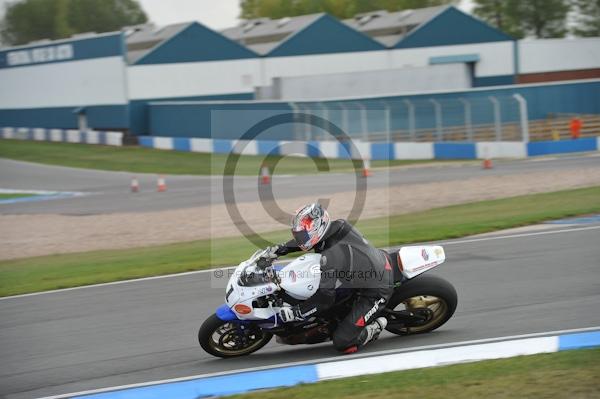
(420, 258)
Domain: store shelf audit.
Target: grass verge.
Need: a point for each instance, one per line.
(571, 374)
(70, 270)
(4, 196)
(147, 160)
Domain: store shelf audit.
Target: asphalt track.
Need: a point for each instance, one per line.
(108, 192)
(67, 341)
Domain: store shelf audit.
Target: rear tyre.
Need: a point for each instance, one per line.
(227, 339)
(426, 295)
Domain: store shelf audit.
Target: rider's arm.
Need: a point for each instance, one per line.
(323, 298)
(288, 247)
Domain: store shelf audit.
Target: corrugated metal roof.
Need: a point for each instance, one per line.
(390, 27)
(141, 39)
(264, 34)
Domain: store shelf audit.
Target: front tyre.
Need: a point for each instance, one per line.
(228, 339)
(426, 295)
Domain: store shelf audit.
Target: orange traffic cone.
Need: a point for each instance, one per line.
(135, 185)
(487, 163)
(161, 184)
(265, 174)
(366, 171)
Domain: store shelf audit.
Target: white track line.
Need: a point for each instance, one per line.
(135, 280)
(327, 360)
(40, 192)
(539, 233)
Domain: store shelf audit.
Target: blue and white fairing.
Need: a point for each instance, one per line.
(299, 279)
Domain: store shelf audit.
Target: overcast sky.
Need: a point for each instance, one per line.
(216, 14)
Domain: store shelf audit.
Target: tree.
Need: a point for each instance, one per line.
(543, 18)
(518, 18)
(104, 15)
(587, 17)
(498, 14)
(29, 20)
(342, 9)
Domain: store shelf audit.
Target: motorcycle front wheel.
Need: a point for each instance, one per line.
(431, 297)
(229, 339)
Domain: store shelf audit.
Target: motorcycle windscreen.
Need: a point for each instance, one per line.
(252, 276)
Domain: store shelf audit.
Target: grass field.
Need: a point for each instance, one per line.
(4, 196)
(70, 270)
(147, 160)
(570, 375)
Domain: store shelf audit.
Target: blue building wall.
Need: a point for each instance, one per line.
(452, 26)
(500, 80)
(140, 118)
(202, 119)
(326, 35)
(194, 44)
(21, 63)
(99, 117)
(82, 49)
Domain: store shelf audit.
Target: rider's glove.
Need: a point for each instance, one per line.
(272, 252)
(290, 313)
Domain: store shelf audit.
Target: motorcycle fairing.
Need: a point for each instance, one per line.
(418, 259)
(225, 313)
(300, 279)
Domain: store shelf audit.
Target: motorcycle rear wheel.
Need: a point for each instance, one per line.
(426, 294)
(227, 339)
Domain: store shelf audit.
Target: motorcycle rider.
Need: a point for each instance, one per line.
(347, 260)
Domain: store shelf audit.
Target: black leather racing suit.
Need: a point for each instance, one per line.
(348, 260)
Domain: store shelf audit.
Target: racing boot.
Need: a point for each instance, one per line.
(372, 331)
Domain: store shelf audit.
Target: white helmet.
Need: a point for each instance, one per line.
(309, 225)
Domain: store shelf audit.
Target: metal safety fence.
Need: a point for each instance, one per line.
(492, 118)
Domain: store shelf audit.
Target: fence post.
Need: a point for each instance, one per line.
(524, 118)
(388, 120)
(307, 125)
(468, 122)
(295, 110)
(411, 119)
(326, 117)
(363, 121)
(345, 122)
(438, 118)
(497, 122)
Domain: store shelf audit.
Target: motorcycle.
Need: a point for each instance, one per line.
(257, 290)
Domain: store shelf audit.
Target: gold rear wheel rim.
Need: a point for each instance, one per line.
(437, 307)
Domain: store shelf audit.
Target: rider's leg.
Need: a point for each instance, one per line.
(361, 324)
